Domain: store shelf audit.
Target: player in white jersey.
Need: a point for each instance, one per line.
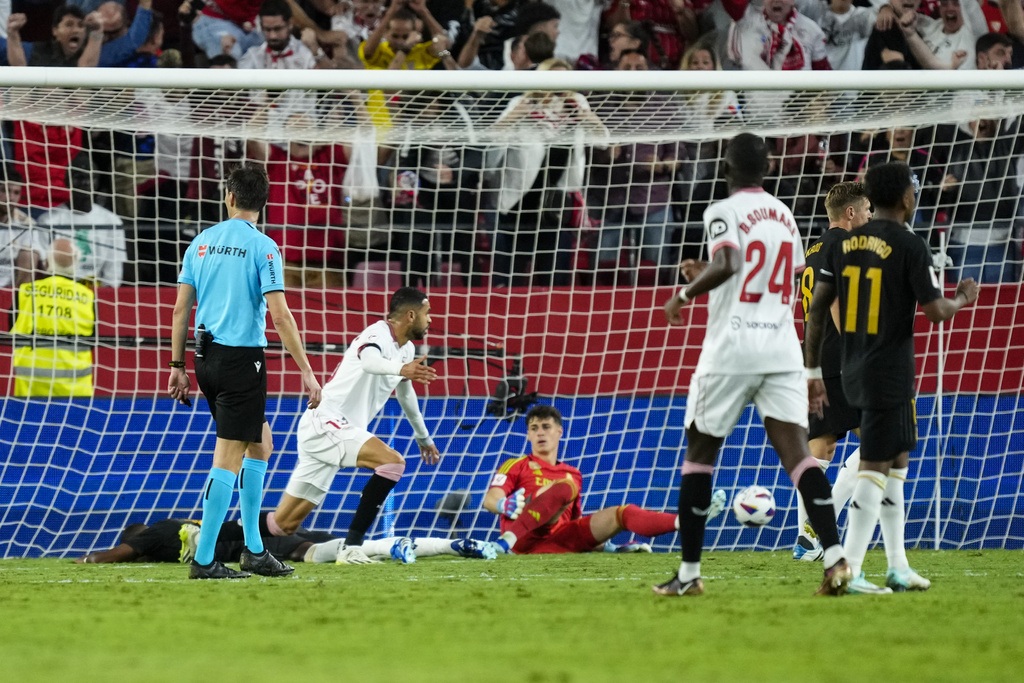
(750, 353)
(334, 435)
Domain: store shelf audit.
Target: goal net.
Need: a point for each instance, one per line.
(545, 215)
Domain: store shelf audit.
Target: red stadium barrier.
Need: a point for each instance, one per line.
(602, 341)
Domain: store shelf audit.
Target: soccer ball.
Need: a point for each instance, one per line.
(754, 506)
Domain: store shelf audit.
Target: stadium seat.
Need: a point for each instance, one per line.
(383, 275)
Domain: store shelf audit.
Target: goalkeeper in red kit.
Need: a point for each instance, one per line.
(537, 499)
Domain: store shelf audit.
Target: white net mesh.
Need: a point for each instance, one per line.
(546, 237)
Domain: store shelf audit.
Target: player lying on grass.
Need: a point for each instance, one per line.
(174, 540)
(537, 500)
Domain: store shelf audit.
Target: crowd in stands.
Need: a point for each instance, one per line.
(547, 213)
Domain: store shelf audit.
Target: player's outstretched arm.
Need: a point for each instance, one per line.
(690, 269)
(121, 553)
(943, 309)
(726, 263)
(419, 371)
(411, 407)
(284, 323)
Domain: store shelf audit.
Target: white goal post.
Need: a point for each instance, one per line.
(386, 178)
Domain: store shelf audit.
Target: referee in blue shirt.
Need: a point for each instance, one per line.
(234, 273)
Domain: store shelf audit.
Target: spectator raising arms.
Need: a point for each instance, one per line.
(775, 36)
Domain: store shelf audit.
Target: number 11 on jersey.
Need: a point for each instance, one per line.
(853, 275)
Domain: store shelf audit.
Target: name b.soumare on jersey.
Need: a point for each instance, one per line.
(750, 326)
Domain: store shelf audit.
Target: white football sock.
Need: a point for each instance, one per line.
(323, 552)
(842, 490)
(863, 516)
(893, 519)
(380, 548)
(431, 547)
(833, 554)
(688, 571)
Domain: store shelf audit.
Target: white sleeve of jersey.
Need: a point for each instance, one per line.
(720, 229)
(411, 407)
(374, 362)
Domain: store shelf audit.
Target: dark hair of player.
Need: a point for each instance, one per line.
(131, 531)
(404, 299)
(841, 196)
(544, 412)
(886, 184)
(250, 186)
(746, 159)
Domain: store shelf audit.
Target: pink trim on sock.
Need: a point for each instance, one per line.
(697, 468)
(392, 470)
(275, 528)
(801, 467)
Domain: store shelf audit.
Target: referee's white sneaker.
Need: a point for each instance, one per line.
(353, 554)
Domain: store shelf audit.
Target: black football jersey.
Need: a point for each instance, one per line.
(881, 272)
(832, 346)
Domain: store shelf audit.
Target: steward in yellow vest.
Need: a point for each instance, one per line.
(61, 314)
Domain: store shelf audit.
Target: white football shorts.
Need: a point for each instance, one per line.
(325, 445)
(716, 402)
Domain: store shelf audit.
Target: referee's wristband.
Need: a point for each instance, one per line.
(813, 373)
(176, 364)
(683, 297)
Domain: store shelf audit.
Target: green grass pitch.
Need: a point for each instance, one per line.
(578, 618)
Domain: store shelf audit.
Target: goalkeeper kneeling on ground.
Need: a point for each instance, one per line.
(537, 499)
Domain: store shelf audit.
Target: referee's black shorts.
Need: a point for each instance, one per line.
(839, 416)
(234, 381)
(886, 433)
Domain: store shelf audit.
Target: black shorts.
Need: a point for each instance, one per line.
(234, 381)
(886, 433)
(840, 416)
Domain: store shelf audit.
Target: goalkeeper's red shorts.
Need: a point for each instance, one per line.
(563, 537)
